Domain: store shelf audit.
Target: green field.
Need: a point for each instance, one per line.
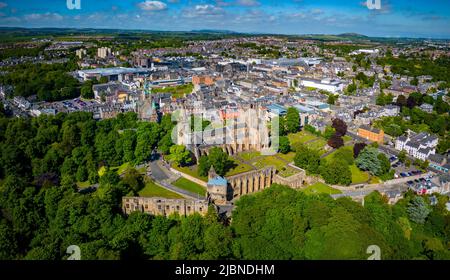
(358, 176)
(190, 186)
(319, 188)
(318, 146)
(153, 190)
(332, 155)
(248, 156)
(374, 180)
(268, 161)
(191, 170)
(288, 157)
(240, 168)
(301, 137)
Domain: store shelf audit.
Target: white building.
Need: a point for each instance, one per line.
(103, 52)
(366, 51)
(330, 85)
(81, 53)
(420, 145)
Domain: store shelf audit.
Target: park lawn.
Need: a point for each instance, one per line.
(318, 145)
(266, 161)
(319, 188)
(190, 170)
(288, 157)
(374, 180)
(240, 168)
(301, 137)
(332, 155)
(153, 190)
(248, 156)
(83, 185)
(358, 176)
(190, 186)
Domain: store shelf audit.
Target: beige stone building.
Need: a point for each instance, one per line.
(158, 206)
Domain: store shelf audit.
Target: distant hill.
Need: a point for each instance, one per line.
(215, 31)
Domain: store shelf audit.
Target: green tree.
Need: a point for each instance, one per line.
(307, 159)
(220, 160)
(336, 171)
(180, 155)
(417, 210)
(285, 145)
(368, 161)
(86, 90)
(402, 156)
(329, 132)
(292, 120)
(345, 154)
(203, 166)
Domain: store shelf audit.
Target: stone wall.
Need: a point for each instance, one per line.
(250, 182)
(295, 181)
(158, 206)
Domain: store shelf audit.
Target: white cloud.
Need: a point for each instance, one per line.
(3, 4)
(204, 10)
(152, 6)
(46, 16)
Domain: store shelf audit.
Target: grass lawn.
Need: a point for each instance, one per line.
(248, 156)
(318, 146)
(268, 161)
(318, 188)
(374, 180)
(301, 137)
(358, 176)
(190, 186)
(289, 156)
(190, 170)
(332, 155)
(83, 185)
(153, 190)
(240, 168)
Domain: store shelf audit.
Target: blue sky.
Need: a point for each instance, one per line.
(411, 18)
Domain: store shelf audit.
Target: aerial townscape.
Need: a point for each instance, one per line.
(221, 145)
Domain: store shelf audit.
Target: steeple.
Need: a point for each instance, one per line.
(212, 173)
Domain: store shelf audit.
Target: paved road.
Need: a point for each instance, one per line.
(160, 176)
(157, 172)
(365, 192)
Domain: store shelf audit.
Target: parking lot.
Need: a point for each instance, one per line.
(401, 171)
